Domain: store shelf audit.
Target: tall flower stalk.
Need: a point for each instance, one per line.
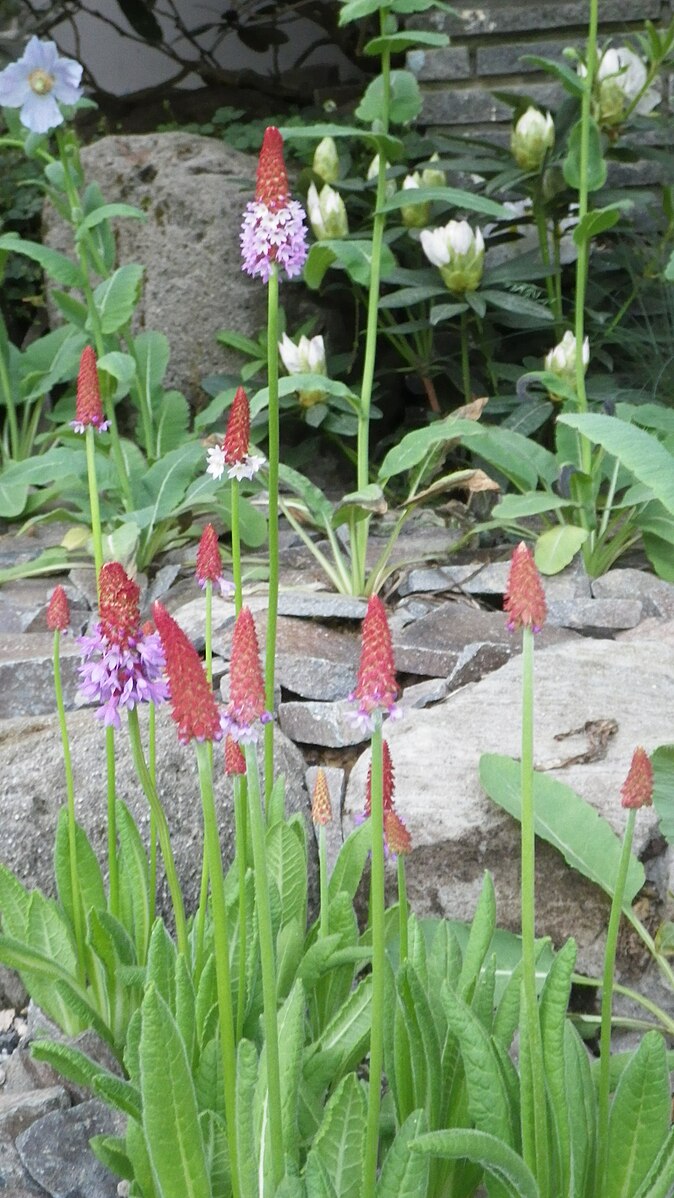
(321, 814)
(525, 604)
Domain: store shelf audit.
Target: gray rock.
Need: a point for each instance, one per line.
(315, 661)
(55, 1151)
(457, 832)
(599, 615)
(19, 1110)
(655, 594)
(322, 605)
(14, 1180)
(193, 191)
(422, 694)
(26, 673)
(327, 724)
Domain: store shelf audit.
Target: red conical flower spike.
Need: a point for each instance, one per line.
(235, 762)
(237, 436)
(321, 807)
(194, 708)
(246, 686)
(637, 789)
(388, 781)
(272, 178)
(88, 407)
(58, 611)
(524, 599)
(396, 834)
(376, 689)
(209, 566)
(118, 604)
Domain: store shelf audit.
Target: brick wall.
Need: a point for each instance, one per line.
(487, 44)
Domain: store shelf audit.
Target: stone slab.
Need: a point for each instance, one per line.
(328, 724)
(55, 1151)
(26, 673)
(19, 1110)
(494, 17)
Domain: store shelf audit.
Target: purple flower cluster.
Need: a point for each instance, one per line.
(273, 235)
(118, 675)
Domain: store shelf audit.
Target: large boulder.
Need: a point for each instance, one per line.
(193, 191)
(623, 691)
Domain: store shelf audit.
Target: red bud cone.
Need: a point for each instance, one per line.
(524, 599)
(321, 807)
(637, 789)
(272, 178)
(209, 566)
(58, 611)
(88, 409)
(194, 708)
(118, 603)
(237, 436)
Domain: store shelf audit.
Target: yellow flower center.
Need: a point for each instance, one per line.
(41, 82)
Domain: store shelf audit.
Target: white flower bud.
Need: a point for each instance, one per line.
(531, 138)
(562, 359)
(415, 216)
(432, 176)
(327, 213)
(326, 160)
(307, 357)
(372, 173)
(458, 252)
(621, 75)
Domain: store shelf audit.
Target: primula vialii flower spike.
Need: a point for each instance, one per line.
(122, 663)
(88, 407)
(209, 565)
(194, 708)
(524, 599)
(637, 789)
(273, 230)
(321, 807)
(246, 685)
(376, 688)
(235, 762)
(388, 781)
(233, 455)
(58, 611)
(396, 834)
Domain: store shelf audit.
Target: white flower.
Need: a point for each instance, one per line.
(38, 83)
(621, 75)
(531, 138)
(215, 457)
(326, 160)
(458, 252)
(217, 464)
(327, 213)
(562, 359)
(372, 174)
(415, 216)
(308, 357)
(431, 176)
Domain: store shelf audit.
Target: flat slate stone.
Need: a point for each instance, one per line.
(320, 605)
(604, 615)
(327, 724)
(14, 1180)
(19, 1110)
(26, 673)
(55, 1151)
(655, 594)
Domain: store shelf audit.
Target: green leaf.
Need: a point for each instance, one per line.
(663, 791)
(488, 1099)
(60, 268)
(596, 167)
(107, 212)
(247, 1148)
(519, 507)
(173, 418)
(302, 382)
(414, 446)
(161, 963)
(658, 1180)
(170, 1114)
(13, 497)
(166, 482)
(121, 366)
(391, 147)
(340, 1141)
(452, 197)
(566, 75)
(89, 876)
(111, 1152)
(495, 1157)
(344, 1041)
(404, 1173)
(404, 99)
(581, 1104)
(442, 312)
(558, 546)
(598, 221)
(584, 838)
(553, 1008)
(396, 43)
(350, 863)
(152, 353)
(639, 452)
(480, 937)
(517, 305)
(115, 298)
(287, 865)
(135, 881)
(639, 1119)
(354, 257)
(79, 1068)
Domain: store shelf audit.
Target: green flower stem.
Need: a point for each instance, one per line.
(236, 546)
(360, 534)
(337, 575)
(535, 1139)
(221, 939)
(8, 398)
(152, 766)
(267, 961)
(272, 606)
(209, 637)
(96, 532)
(582, 261)
(113, 870)
(241, 836)
(653, 1009)
(544, 245)
(403, 909)
(72, 829)
(203, 889)
(377, 911)
(465, 359)
(162, 831)
(324, 926)
(607, 998)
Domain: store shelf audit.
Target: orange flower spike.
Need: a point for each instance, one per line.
(195, 710)
(637, 789)
(321, 807)
(524, 599)
(58, 611)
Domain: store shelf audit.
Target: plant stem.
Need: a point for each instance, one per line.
(236, 546)
(72, 828)
(221, 940)
(113, 870)
(267, 962)
(324, 927)
(582, 261)
(15, 449)
(377, 916)
(403, 909)
(162, 831)
(241, 837)
(272, 607)
(535, 1143)
(465, 359)
(152, 765)
(96, 533)
(607, 998)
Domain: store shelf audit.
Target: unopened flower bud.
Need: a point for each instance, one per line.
(415, 216)
(432, 176)
(458, 252)
(307, 357)
(637, 789)
(58, 611)
(531, 138)
(524, 599)
(621, 76)
(562, 359)
(372, 173)
(326, 160)
(327, 213)
(321, 807)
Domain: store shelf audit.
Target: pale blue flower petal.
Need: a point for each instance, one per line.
(40, 113)
(14, 86)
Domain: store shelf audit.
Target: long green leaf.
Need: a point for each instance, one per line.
(640, 1118)
(404, 1173)
(62, 269)
(170, 1114)
(639, 452)
(340, 1142)
(488, 1098)
(585, 839)
(495, 1157)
